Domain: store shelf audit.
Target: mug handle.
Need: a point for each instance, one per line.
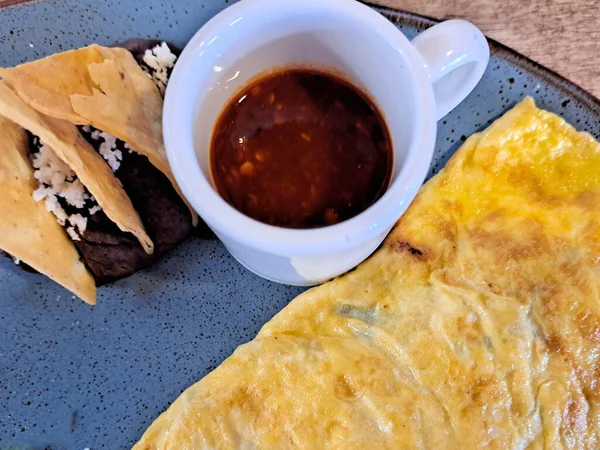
(456, 54)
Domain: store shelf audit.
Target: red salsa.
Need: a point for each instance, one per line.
(301, 149)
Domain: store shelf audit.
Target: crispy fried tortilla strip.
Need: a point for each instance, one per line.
(103, 87)
(127, 105)
(28, 231)
(77, 153)
(47, 84)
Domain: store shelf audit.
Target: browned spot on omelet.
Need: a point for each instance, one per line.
(453, 207)
(574, 274)
(247, 399)
(497, 214)
(406, 247)
(469, 332)
(526, 178)
(447, 228)
(348, 389)
(588, 200)
(589, 325)
(554, 344)
(484, 390)
(504, 248)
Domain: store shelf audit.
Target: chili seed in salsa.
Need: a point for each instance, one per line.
(301, 149)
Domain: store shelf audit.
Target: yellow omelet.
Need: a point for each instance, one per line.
(475, 325)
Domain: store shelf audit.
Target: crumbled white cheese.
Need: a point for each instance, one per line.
(160, 59)
(86, 128)
(94, 209)
(74, 193)
(50, 170)
(78, 226)
(53, 176)
(78, 221)
(72, 233)
(16, 260)
(109, 151)
(41, 193)
(95, 135)
(56, 179)
(54, 207)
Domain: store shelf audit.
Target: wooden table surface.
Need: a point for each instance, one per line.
(563, 35)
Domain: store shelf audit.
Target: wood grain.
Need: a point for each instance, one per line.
(11, 2)
(563, 35)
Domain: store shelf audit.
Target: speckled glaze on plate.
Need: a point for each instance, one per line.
(73, 376)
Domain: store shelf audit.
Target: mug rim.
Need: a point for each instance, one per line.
(224, 219)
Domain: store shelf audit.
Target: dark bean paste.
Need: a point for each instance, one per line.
(301, 149)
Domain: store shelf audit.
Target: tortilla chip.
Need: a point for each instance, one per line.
(27, 230)
(128, 105)
(78, 154)
(46, 84)
(103, 87)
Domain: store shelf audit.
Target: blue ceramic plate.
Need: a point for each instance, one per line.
(74, 376)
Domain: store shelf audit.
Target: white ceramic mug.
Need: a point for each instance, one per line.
(413, 85)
